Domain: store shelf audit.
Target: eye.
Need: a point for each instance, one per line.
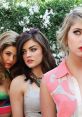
(23, 52)
(8, 53)
(33, 49)
(77, 32)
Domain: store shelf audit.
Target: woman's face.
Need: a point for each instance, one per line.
(75, 39)
(9, 56)
(32, 54)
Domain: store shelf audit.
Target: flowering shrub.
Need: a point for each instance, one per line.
(46, 16)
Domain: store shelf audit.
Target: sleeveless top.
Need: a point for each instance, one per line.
(65, 91)
(32, 101)
(5, 107)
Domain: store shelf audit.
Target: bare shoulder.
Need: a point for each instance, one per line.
(17, 83)
(18, 79)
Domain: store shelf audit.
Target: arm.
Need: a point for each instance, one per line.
(48, 108)
(16, 98)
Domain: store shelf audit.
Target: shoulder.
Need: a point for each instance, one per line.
(52, 73)
(57, 72)
(18, 79)
(17, 83)
(52, 77)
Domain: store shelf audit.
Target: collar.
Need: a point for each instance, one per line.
(62, 69)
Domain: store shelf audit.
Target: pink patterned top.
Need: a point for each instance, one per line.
(65, 91)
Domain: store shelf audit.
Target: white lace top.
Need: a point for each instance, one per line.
(32, 101)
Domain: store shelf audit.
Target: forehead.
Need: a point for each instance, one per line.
(30, 43)
(10, 49)
(77, 23)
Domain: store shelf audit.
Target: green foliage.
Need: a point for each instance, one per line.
(10, 18)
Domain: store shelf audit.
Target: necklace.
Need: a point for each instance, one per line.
(36, 79)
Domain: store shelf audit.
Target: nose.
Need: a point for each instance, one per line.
(28, 54)
(11, 58)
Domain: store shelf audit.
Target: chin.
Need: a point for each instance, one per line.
(31, 66)
(7, 67)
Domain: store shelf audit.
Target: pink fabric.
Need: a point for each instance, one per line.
(58, 85)
(5, 110)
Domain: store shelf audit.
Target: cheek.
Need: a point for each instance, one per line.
(70, 41)
(4, 59)
(24, 58)
(39, 57)
(14, 61)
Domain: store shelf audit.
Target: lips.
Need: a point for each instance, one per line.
(29, 61)
(80, 48)
(8, 66)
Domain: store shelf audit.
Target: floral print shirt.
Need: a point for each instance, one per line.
(65, 91)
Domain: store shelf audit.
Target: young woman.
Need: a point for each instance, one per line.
(35, 58)
(7, 61)
(61, 88)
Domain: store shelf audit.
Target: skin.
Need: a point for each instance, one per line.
(9, 59)
(5, 115)
(9, 56)
(74, 64)
(32, 55)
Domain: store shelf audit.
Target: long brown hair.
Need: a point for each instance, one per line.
(7, 39)
(48, 61)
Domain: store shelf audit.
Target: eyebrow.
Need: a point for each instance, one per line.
(7, 51)
(78, 28)
(10, 52)
(30, 47)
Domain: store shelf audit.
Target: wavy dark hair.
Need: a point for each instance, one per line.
(48, 61)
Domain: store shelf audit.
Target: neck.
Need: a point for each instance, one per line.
(74, 65)
(75, 61)
(38, 72)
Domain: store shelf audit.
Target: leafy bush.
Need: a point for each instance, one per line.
(47, 16)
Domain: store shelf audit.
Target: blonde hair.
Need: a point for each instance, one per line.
(8, 37)
(74, 15)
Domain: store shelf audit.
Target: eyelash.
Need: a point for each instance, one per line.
(8, 53)
(77, 32)
(33, 49)
(23, 52)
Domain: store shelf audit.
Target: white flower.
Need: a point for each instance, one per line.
(2, 28)
(31, 12)
(60, 54)
(25, 29)
(46, 23)
(36, 8)
(41, 16)
(26, 19)
(47, 13)
(46, 17)
(21, 23)
(51, 12)
(33, 9)
(22, 4)
(5, 5)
